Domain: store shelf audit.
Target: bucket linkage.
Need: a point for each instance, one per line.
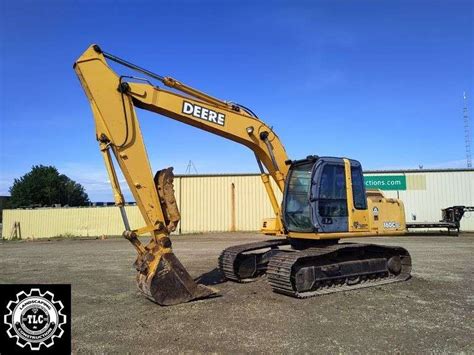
(161, 276)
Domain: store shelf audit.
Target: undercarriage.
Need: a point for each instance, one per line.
(320, 268)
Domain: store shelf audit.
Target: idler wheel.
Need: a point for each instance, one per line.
(394, 265)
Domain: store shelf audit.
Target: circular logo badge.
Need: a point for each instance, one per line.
(35, 319)
(375, 211)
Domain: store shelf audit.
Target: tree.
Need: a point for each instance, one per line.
(45, 186)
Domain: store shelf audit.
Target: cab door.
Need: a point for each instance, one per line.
(296, 202)
(356, 197)
(329, 196)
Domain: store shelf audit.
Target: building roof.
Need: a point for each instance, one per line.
(388, 171)
(401, 171)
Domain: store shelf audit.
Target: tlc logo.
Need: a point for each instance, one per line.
(33, 319)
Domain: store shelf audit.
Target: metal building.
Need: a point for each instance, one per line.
(425, 192)
(221, 203)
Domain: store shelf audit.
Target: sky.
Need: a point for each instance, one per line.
(377, 81)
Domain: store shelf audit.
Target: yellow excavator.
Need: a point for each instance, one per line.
(324, 198)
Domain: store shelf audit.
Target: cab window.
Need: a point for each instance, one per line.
(332, 192)
(297, 207)
(358, 189)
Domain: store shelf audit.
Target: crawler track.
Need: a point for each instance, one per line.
(231, 258)
(336, 268)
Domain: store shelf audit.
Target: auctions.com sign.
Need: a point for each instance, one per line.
(386, 182)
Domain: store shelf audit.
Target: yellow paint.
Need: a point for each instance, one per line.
(358, 219)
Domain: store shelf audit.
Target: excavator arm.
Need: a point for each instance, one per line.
(161, 277)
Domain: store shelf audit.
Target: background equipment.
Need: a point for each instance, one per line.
(450, 219)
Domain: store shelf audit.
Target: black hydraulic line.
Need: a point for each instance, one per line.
(249, 111)
(246, 109)
(270, 150)
(264, 138)
(260, 166)
(162, 79)
(123, 88)
(128, 64)
(151, 74)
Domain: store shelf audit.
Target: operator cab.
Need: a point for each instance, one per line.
(316, 193)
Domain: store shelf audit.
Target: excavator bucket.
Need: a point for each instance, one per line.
(171, 284)
(161, 277)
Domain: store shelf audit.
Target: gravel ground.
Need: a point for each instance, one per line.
(432, 312)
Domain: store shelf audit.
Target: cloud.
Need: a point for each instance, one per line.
(95, 180)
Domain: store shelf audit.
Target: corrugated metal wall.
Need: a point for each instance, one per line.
(205, 203)
(428, 192)
(53, 222)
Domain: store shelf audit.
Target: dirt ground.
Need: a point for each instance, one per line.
(432, 312)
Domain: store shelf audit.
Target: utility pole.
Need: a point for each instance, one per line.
(467, 133)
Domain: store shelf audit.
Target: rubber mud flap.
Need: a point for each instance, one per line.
(172, 284)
